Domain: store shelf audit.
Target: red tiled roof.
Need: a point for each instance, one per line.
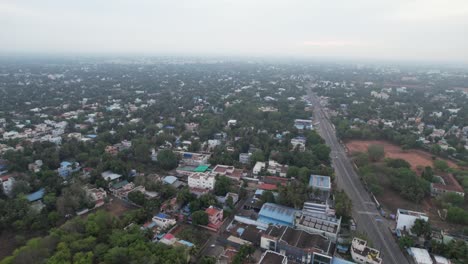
(211, 211)
(169, 236)
(268, 187)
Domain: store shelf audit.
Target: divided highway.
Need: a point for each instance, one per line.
(365, 213)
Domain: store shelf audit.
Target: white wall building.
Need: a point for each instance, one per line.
(201, 180)
(259, 166)
(405, 218)
(363, 254)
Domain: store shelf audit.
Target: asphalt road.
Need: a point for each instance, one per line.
(365, 212)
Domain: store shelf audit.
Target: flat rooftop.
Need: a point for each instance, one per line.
(271, 257)
(409, 212)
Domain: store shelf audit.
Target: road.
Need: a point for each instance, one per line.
(364, 210)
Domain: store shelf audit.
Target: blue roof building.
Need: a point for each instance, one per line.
(277, 214)
(38, 195)
(320, 182)
(170, 179)
(67, 168)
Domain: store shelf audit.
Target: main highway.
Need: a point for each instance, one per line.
(365, 213)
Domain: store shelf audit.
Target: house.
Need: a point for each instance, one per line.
(272, 257)
(298, 143)
(271, 213)
(35, 166)
(67, 168)
(201, 180)
(122, 189)
(97, 195)
(215, 217)
(7, 183)
(36, 196)
(231, 123)
(110, 176)
(303, 124)
(420, 255)
(299, 246)
(259, 166)
(168, 239)
(244, 158)
(319, 223)
(277, 169)
(193, 159)
(405, 219)
(163, 220)
(363, 254)
(448, 184)
(228, 171)
(172, 180)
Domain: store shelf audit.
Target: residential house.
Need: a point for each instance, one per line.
(259, 166)
(110, 176)
(363, 254)
(193, 159)
(420, 255)
(298, 143)
(67, 168)
(277, 169)
(405, 219)
(7, 183)
(303, 124)
(97, 195)
(272, 257)
(163, 220)
(228, 171)
(244, 158)
(215, 217)
(447, 184)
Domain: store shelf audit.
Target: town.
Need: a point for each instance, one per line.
(188, 160)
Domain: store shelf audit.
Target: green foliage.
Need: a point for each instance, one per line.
(441, 165)
(405, 242)
(376, 152)
(421, 228)
(200, 218)
(244, 254)
(222, 185)
(428, 174)
(267, 197)
(207, 260)
(167, 159)
(196, 235)
(453, 199)
(457, 215)
(137, 197)
(343, 205)
(293, 194)
(398, 163)
(361, 159)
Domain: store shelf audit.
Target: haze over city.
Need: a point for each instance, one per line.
(418, 30)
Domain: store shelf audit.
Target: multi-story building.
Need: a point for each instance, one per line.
(228, 171)
(319, 223)
(299, 246)
(215, 217)
(363, 254)
(244, 158)
(201, 180)
(405, 219)
(7, 183)
(277, 169)
(163, 220)
(259, 166)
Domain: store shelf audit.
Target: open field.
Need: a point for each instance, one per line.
(118, 207)
(417, 158)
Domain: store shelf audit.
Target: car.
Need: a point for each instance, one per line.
(213, 245)
(352, 225)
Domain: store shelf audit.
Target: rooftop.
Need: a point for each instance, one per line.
(320, 182)
(271, 257)
(421, 256)
(277, 212)
(36, 195)
(170, 179)
(409, 212)
(360, 247)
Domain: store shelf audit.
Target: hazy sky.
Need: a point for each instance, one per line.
(376, 29)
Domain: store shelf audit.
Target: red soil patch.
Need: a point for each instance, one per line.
(415, 157)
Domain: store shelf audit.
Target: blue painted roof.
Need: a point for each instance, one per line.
(186, 243)
(277, 214)
(258, 192)
(170, 179)
(91, 136)
(65, 164)
(341, 261)
(319, 181)
(36, 195)
(161, 215)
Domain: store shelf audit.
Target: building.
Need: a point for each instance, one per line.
(36, 196)
(201, 180)
(67, 168)
(319, 182)
(215, 217)
(297, 245)
(448, 184)
(420, 256)
(112, 150)
(298, 143)
(277, 169)
(122, 189)
(193, 159)
(7, 183)
(405, 219)
(319, 223)
(277, 214)
(97, 195)
(272, 257)
(244, 158)
(163, 220)
(259, 166)
(363, 254)
(228, 171)
(110, 176)
(303, 124)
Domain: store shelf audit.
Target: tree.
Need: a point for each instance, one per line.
(258, 155)
(137, 197)
(457, 215)
(167, 159)
(207, 260)
(453, 199)
(405, 242)
(343, 205)
(421, 228)
(428, 174)
(222, 185)
(375, 152)
(200, 218)
(267, 197)
(322, 152)
(441, 165)
(398, 163)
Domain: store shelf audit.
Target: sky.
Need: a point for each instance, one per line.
(409, 30)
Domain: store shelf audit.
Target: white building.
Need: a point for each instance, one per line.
(110, 176)
(163, 220)
(363, 254)
(405, 218)
(7, 183)
(259, 166)
(201, 180)
(420, 256)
